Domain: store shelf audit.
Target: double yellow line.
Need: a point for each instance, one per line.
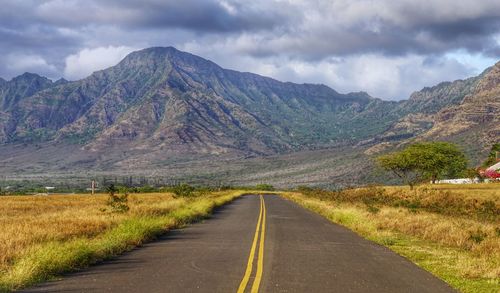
(260, 229)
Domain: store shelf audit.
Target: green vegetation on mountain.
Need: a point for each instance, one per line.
(161, 97)
(160, 108)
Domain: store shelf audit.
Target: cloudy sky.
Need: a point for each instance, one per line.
(387, 48)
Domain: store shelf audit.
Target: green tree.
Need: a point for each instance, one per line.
(472, 173)
(492, 156)
(401, 164)
(425, 160)
(438, 159)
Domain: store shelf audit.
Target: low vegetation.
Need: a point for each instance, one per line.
(452, 231)
(43, 236)
(116, 202)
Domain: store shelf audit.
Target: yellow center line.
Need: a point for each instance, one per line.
(260, 262)
(248, 272)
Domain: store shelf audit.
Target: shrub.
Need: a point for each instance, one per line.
(477, 236)
(146, 189)
(372, 209)
(118, 203)
(183, 190)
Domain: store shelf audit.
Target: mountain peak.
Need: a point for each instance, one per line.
(163, 59)
(61, 81)
(169, 53)
(152, 51)
(29, 76)
(20, 87)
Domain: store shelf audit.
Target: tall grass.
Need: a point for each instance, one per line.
(452, 232)
(46, 236)
(482, 201)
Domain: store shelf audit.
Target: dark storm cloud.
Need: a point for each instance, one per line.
(38, 33)
(53, 29)
(196, 15)
(388, 28)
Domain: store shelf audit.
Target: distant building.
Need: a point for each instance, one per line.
(458, 181)
(493, 172)
(495, 167)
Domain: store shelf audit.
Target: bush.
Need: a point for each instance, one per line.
(117, 203)
(477, 236)
(183, 190)
(372, 209)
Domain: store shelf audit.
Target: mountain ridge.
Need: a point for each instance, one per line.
(163, 107)
(156, 75)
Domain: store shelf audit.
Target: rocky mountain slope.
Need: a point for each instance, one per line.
(464, 111)
(165, 99)
(417, 114)
(13, 92)
(475, 121)
(22, 86)
(165, 111)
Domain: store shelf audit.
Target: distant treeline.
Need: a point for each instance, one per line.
(129, 184)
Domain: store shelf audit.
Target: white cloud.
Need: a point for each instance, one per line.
(390, 78)
(86, 61)
(386, 77)
(30, 63)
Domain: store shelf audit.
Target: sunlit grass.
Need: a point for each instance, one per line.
(460, 249)
(45, 236)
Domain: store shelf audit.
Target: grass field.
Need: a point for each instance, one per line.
(43, 236)
(452, 231)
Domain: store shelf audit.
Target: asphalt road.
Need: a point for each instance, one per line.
(269, 245)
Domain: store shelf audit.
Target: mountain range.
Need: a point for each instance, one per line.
(162, 109)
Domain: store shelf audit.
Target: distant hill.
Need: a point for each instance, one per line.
(475, 121)
(161, 106)
(466, 112)
(165, 98)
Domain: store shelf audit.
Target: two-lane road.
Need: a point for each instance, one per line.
(264, 244)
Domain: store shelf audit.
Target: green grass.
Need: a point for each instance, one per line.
(48, 260)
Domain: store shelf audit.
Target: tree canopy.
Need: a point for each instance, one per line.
(425, 160)
(492, 156)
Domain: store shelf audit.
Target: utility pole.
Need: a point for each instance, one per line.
(93, 187)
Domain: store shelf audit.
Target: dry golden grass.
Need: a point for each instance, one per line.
(31, 220)
(451, 230)
(483, 191)
(43, 236)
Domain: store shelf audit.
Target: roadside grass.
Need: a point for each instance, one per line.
(453, 237)
(43, 237)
